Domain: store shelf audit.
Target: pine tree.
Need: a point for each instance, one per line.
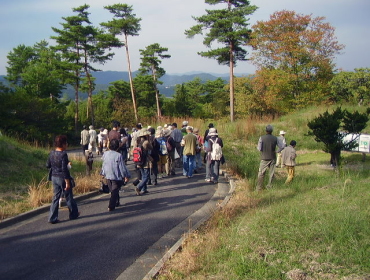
(228, 27)
(326, 129)
(127, 24)
(150, 61)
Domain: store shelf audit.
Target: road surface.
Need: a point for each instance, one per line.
(101, 244)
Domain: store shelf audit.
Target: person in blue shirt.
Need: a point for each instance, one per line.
(115, 171)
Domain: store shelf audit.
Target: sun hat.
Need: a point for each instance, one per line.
(212, 132)
(143, 132)
(166, 132)
(282, 132)
(185, 123)
(190, 128)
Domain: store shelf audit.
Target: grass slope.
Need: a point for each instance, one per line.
(315, 228)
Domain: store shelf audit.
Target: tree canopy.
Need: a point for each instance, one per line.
(227, 27)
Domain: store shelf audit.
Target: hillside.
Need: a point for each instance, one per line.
(104, 78)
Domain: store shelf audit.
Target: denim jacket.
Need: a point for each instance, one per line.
(113, 166)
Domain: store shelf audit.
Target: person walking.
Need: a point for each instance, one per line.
(85, 139)
(92, 142)
(189, 144)
(115, 172)
(281, 139)
(177, 137)
(163, 154)
(123, 144)
(267, 146)
(171, 147)
(288, 159)
(146, 147)
(198, 158)
(114, 132)
(205, 140)
(153, 172)
(60, 176)
(214, 155)
(102, 140)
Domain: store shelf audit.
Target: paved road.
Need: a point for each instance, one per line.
(100, 244)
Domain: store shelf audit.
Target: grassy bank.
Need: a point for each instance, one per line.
(315, 228)
(23, 173)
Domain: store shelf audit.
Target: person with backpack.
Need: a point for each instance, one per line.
(123, 144)
(143, 159)
(115, 172)
(163, 154)
(214, 155)
(171, 147)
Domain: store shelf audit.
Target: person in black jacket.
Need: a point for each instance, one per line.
(61, 178)
(155, 155)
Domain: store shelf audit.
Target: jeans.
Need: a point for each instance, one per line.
(124, 152)
(189, 165)
(198, 161)
(144, 179)
(59, 188)
(215, 170)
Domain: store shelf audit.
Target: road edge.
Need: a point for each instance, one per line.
(39, 210)
(160, 248)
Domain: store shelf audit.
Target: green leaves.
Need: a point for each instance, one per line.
(326, 129)
(227, 27)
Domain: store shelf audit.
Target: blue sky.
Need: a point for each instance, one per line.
(164, 21)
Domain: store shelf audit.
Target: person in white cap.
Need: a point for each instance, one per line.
(282, 142)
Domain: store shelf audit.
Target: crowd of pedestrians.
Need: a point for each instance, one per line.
(156, 153)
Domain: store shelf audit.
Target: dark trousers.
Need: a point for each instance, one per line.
(114, 187)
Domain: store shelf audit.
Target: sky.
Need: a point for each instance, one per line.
(28, 22)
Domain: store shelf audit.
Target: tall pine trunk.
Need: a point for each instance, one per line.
(130, 78)
(231, 82)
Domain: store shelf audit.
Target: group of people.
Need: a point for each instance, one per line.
(284, 156)
(155, 152)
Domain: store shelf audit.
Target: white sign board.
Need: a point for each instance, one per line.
(363, 141)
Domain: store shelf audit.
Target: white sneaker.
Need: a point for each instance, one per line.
(208, 180)
(164, 175)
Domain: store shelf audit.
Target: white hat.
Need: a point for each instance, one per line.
(282, 132)
(166, 132)
(212, 132)
(185, 123)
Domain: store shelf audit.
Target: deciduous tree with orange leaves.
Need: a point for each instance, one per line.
(300, 46)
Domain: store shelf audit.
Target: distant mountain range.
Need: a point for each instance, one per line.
(104, 78)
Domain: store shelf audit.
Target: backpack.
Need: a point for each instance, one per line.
(137, 155)
(162, 146)
(216, 153)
